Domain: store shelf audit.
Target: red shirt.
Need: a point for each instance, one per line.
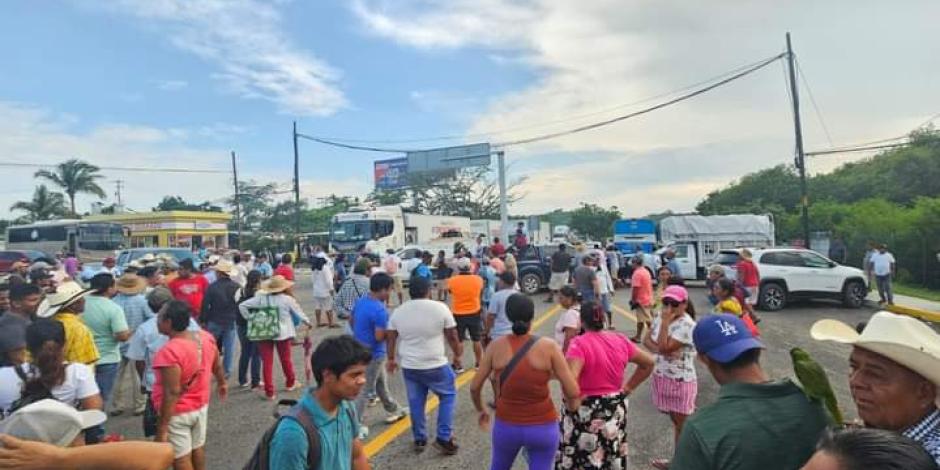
(747, 273)
(190, 290)
(498, 249)
(285, 270)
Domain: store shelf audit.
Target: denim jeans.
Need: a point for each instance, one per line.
(249, 356)
(441, 382)
(105, 376)
(884, 288)
(376, 380)
(225, 337)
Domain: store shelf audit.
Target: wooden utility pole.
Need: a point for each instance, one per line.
(238, 204)
(800, 155)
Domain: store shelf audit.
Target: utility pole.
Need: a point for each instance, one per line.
(800, 155)
(296, 193)
(238, 205)
(503, 203)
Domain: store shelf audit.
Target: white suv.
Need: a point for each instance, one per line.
(795, 273)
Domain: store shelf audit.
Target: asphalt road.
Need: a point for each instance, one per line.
(236, 425)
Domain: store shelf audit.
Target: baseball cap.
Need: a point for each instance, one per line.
(463, 264)
(723, 338)
(677, 293)
(50, 421)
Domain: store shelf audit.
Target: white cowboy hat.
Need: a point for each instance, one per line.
(147, 258)
(65, 294)
(50, 421)
(224, 266)
(276, 284)
(905, 340)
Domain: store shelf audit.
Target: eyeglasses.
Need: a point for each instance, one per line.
(671, 303)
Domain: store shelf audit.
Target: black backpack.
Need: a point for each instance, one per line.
(261, 458)
(41, 393)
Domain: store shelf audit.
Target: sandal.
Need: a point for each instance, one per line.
(661, 464)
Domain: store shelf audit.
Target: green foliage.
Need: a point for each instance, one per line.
(74, 176)
(44, 205)
(594, 221)
(177, 203)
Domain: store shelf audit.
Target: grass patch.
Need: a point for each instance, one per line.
(917, 291)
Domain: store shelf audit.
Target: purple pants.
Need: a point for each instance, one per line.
(539, 440)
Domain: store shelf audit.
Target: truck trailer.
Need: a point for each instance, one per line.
(392, 228)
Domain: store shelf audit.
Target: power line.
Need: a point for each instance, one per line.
(812, 99)
(874, 144)
(552, 135)
(856, 149)
(117, 168)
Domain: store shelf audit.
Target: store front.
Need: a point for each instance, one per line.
(173, 229)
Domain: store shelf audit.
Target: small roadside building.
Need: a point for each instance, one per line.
(172, 229)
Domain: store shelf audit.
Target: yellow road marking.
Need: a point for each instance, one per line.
(625, 313)
(376, 444)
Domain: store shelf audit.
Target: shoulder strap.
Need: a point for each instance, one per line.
(303, 417)
(520, 353)
(21, 373)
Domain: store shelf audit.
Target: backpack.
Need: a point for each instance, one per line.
(261, 458)
(26, 399)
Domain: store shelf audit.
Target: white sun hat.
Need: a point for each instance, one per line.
(65, 294)
(50, 421)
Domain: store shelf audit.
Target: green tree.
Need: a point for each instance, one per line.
(45, 205)
(74, 176)
(469, 192)
(256, 201)
(594, 221)
(177, 203)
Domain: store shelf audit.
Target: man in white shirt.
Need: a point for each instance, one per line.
(415, 337)
(883, 266)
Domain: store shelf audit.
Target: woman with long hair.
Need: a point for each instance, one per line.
(522, 365)
(594, 435)
(675, 384)
(249, 356)
(47, 373)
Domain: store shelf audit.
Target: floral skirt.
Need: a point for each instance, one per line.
(595, 436)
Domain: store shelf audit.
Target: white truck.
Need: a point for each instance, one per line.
(392, 228)
(697, 239)
(539, 234)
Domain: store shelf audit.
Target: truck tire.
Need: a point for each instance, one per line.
(773, 296)
(854, 294)
(530, 283)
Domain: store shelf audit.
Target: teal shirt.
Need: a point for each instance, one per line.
(752, 426)
(288, 450)
(104, 318)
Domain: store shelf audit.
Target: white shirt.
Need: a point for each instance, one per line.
(79, 384)
(286, 305)
(323, 280)
(420, 325)
(391, 260)
(240, 275)
(603, 278)
(680, 365)
(882, 263)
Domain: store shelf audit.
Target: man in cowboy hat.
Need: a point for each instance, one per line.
(219, 309)
(895, 374)
(65, 305)
(130, 297)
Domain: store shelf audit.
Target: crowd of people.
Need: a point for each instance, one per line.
(152, 340)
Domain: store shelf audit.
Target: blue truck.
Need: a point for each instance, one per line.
(632, 235)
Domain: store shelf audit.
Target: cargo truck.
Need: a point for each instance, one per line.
(697, 239)
(392, 228)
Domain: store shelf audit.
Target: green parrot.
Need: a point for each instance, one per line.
(815, 382)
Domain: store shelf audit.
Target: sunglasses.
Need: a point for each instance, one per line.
(671, 303)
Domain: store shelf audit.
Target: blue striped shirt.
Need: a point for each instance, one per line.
(927, 434)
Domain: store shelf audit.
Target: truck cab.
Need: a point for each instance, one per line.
(350, 231)
(635, 235)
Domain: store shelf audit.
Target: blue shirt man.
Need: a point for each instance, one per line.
(368, 315)
(289, 444)
(265, 268)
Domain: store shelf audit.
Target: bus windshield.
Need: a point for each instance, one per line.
(360, 230)
(100, 236)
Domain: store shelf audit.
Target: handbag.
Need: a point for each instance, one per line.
(264, 323)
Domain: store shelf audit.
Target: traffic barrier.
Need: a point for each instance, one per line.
(915, 312)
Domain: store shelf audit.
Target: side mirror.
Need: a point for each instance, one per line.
(833, 264)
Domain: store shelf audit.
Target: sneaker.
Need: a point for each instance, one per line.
(458, 369)
(446, 447)
(244, 385)
(396, 416)
(296, 386)
(373, 402)
(363, 433)
(420, 446)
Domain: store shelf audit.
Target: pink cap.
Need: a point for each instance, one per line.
(677, 293)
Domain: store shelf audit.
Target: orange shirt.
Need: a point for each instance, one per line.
(467, 290)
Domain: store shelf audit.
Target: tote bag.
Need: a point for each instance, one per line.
(264, 323)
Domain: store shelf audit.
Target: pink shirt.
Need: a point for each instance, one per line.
(605, 356)
(184, 353)
(642, 284)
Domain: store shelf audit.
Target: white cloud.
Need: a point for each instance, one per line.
(594, 55)
(39, 136)
(172, 85)
(245, 39)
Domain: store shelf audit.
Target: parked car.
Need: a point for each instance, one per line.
(787, 274)
(124, 257)
(535, 267)
(8, 257)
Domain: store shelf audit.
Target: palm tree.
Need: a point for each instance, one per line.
(44, 206)
(74, 176)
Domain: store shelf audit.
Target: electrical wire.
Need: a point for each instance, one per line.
(812, 100)
(856, 149)
(118, 168)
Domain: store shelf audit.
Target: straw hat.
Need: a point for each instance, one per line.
(131, 284)
(905, 340)
(224, 266)
(65, 294)
(276, 284)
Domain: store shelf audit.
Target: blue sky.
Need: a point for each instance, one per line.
(174, 83)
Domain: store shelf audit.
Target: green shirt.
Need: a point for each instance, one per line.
(751, 426)
(104, 318)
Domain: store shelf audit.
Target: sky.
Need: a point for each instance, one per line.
(181, 84)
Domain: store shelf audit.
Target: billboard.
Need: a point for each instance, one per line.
(391, 174)
(449, 158)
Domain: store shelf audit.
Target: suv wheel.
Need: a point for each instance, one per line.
(530, 283)
(854, 294)
(773, 296)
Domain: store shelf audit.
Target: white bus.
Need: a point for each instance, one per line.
(90, 241)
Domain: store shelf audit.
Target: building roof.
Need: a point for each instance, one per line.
(162, 215)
